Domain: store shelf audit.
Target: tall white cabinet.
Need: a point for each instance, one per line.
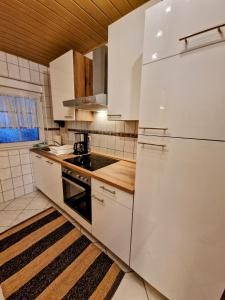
(178, 243)
(125, 48)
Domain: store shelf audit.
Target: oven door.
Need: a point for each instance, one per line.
(77, 195)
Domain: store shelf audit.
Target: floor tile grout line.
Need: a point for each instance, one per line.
(145, 289)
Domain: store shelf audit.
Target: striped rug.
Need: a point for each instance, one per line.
(46, 257)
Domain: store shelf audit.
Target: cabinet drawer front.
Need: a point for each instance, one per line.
(169, 21)
(113, 193)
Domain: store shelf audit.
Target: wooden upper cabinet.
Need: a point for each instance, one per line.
(71, 77)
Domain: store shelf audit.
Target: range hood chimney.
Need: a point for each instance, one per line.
(98, 101)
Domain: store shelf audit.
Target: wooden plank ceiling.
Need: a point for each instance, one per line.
(41, 30)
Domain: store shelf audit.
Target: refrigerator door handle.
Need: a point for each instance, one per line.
(163, 146)
(185, 38)
(164, 129)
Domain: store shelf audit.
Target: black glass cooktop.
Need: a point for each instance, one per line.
(91, 162)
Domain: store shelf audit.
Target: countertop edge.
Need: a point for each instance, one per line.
(90, 173)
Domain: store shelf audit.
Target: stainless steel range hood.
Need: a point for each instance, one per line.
(99, 99)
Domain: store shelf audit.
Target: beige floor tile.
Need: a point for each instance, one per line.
(8, 217)
(26, 214)
(4, 204)
(38, 203)
(18, 204)
(153, 294)
(131, 288)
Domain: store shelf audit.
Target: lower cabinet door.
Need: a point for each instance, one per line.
(37, 163)
(53, 182)
(111, 224)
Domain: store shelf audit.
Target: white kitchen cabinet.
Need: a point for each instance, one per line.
(125, 47)
(170, 20)
(185, 94)
(178, 241)
(37, 164)
(62, 86)
(111, 218)
(47, 177)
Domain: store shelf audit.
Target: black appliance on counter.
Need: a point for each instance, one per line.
(77, 186)
(81, 144)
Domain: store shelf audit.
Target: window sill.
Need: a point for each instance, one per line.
(7, 146)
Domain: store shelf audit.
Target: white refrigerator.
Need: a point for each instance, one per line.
(178, 234)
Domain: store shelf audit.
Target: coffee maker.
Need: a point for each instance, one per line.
(81, 143)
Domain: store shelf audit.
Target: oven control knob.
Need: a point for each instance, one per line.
(69, 172)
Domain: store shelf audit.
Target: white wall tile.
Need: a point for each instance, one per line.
(9, 195)
(3, 69)
(120, 127)
(4, 162)
(6, 185)
(119, 143)
(2, 55)
(13, 71)
(25, 159)
(23, 62)
(5, 173)
(27, 179)
(34, 75)
(29, 188)
(16, 171)
(25, 74)
(17, 182)
(1, 197)
(33, 66)
(129, 145)
(128, 155)
(12, 59)
(3, 153)
(26, 169)
(24, 151)
(13, 152)
(14, 160)
(43, 69)
(18, 192)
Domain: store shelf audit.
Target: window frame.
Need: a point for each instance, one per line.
(32, 93)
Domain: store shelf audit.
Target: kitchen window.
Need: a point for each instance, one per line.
(18, 119)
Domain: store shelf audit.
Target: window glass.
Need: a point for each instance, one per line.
(18, 119)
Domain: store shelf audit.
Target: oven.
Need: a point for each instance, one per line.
(77, 192)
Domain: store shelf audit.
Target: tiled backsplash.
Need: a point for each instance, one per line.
(15, 166)
(16, 177)
(110, 137)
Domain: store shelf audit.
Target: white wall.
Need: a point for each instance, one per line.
(16, 177)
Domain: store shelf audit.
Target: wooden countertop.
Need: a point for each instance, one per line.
(120, 174)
